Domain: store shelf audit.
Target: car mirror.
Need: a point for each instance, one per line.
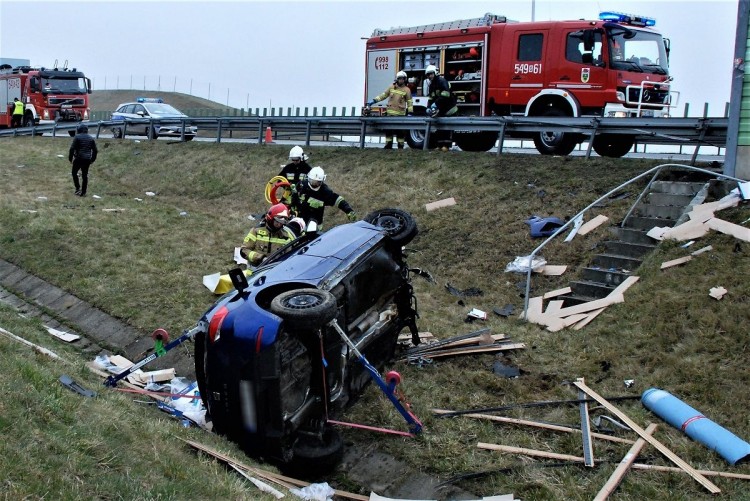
(140, 113)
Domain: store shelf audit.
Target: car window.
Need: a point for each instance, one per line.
(139, 108)
(163, 109)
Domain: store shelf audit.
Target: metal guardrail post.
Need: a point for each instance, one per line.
(307, 133)
(500, 138)
(596, 123)
(704, 127)
(260, 132)
(98, 129)
(362, 133)
(218, 130)
(426, 145)
(182, 132)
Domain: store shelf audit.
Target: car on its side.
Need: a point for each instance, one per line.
(271, 367)
(151, 117)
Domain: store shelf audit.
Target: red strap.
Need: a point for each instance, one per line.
(687, 423)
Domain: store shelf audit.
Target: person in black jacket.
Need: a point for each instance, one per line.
(312, 196)
(82, 154)
(297, 168)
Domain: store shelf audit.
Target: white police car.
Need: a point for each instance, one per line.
(163, 120)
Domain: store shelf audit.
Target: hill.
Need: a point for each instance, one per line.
(108, 100)
(141, 259)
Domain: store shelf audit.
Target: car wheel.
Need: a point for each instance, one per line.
(398, 224)
(305, 308)
(117, 132)
(152, 134)
(316, 455)
(29, 121)
(613, 145)
(189, 138)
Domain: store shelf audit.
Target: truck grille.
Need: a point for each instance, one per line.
(650, 96)
(60, 100)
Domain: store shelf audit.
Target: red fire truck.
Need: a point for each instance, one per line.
(50, 95)
(616, 66)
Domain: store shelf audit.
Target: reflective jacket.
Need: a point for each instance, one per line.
(262, 241)
(311, 204)
(295, 172)
(18, 108)
(399, 100)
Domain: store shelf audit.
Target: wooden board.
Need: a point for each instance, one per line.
(553, 307)
(472, 350)
(702, 250)
(675, 262)
(446, 202)
(558, 292)
(591, 305)
(623, 467)
(583, 323)
(590, 226)
(713, 489)
(728, 228)
(554, 270)
(687, 231)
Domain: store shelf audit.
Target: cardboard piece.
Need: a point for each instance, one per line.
(446, 202)
(717, 292)
(657, 232)
(554, 269)
(159, 376)
(65, 336)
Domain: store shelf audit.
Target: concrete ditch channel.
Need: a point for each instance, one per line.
(29, 295)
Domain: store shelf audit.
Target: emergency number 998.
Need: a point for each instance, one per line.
(526, 68)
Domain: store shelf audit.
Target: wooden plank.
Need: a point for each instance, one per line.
(648, 438)
(574, 319)
(624, 285)
(257, 483)
(590, 226)
(529, 452)
(702, 250)
(623, 467)
(687, 231)
(583, 323)
(657, 232)
(423, 336)
(446, 202)
(265, 473)
(558, 292)
(591, 305)
(674, 469)
(554, 270)
(36, 347)
(536, 424)
(553, 306)
(471, 351)
(735, 230)
(675, 262)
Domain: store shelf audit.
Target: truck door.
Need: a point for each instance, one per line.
(381, 71)
(581, 70)
(528, 66)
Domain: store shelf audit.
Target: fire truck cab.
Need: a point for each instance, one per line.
(49, 95)
(616, 66)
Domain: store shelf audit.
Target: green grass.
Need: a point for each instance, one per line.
(144, 265)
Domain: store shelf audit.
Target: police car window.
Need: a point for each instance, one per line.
(530, 47)
(139, 108)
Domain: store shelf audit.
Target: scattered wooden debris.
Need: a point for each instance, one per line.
(590, 226)
(623, 467)
(554, 269)
(36, 347)
(675, 262)
(65, 336)
(735, 230)
(446, 202)
(424, 337)
(702, 250)
(717, 292)
(558, 292)
(480, 341)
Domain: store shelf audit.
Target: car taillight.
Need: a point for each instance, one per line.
(215, 325)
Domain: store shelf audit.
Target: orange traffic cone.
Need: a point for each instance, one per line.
(269, 137)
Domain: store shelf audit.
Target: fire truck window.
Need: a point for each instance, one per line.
(530, 47)
(573, 50)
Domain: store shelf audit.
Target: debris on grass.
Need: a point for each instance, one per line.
(446, 202)
(717, 292)
(469, 292)
(591, 225)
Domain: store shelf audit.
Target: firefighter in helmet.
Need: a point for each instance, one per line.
(270, 235)
(442, 101)
(313, 195)
(297, 168)
(399, 104)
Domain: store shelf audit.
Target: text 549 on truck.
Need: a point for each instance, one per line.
(49, 95)
(616, 66)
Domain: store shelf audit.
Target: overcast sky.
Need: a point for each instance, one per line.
(311, 53)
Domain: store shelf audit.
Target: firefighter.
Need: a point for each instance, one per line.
(442, 101)
(270, 235)
(82, 154)
(399, 104)
(297, 168)
(313, 195)
(18, 110)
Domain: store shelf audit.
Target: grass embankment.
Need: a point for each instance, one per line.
(144, 264)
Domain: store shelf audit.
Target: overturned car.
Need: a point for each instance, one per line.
(271, 360)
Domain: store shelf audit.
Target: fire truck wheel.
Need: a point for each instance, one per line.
(415, 140)
(28, 121)
(71, 133)
(613, 145)
(555, 143)
(475, 141)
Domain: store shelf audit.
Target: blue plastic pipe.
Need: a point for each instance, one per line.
(697, 426)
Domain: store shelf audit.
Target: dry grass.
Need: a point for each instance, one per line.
(145, 264)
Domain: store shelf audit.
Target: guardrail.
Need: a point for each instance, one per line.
(665, 131)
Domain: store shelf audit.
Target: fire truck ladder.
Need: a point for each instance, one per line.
(487, 20)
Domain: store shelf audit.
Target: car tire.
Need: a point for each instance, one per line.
(314, 456)
(613, 145)
(398, 224)
(152, 134)
(305, 308)
(117, 132)
(189, 138)
(556, 143)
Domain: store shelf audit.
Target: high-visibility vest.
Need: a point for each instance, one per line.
(18, 108)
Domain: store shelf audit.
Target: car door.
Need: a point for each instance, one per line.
(581, 70)
(139, 111)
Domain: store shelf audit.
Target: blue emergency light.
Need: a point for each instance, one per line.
(149, 100)
(619, 17)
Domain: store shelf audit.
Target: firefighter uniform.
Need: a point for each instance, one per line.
(262, 241)
(399, 104)
(18, 111)
(295, 172)
(441, 97)
(311, 203)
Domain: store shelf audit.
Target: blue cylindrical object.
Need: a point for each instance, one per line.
(697, 426)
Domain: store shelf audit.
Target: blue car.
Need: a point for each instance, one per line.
(271, 367)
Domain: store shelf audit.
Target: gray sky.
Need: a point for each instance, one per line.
(310, 53)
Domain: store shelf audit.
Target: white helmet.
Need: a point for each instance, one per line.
(315, 178)
(296, 152)
(430, 69)
(400, 74)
